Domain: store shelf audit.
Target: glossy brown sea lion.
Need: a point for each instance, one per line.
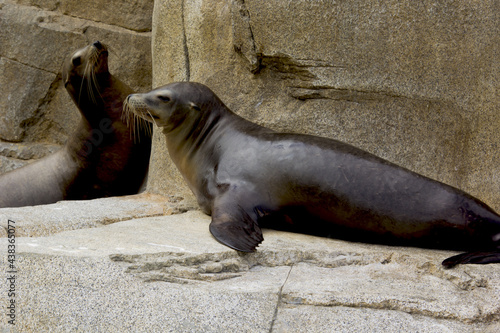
(245, 175)
(102, 158)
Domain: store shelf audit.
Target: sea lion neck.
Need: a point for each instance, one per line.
(200, 134)
(197, 129)
(94, 99)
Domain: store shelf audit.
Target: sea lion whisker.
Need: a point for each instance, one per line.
(149, 127)
(90, 74)
(150, 115)
(142, 124)
(129, 117)
(126, 118)
(85, 80)
(133, 127)
(139, 122)
(125, 111)
(92, 82)
(90, 89)
(95, 82)
(137, 116)
(137, 125)
(81, 90)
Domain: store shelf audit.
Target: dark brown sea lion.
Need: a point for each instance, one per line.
(102, 158)
(245, 175)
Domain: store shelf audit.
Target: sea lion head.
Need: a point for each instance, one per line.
(173, 105)
(83, 70)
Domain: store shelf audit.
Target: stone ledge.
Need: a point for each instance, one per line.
(145, 274)
(28, 150)
(69, 215)
(16, 155)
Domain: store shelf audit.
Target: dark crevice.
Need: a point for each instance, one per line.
(43, 103)
(280, 295)
(398, 306)
(184, 40)
(243, 37)
(311, 91)
(30, 65)
(57, 9)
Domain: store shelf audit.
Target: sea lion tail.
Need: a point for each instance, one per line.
(480, 257)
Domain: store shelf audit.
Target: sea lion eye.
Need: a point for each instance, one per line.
(196, 107)
(164, 98)
(76, 61)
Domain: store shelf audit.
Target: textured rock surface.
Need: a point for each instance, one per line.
(108, 273)
(130, 14)
(27, 87)
(413, 82)
(15, 155)
(68, 215)
(35, 38)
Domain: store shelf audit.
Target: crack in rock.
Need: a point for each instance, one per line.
(413, 307)
(41, 109)
(289, 68)
(243, 38)
(27, 151)
(194, 268)
(464, 280)
(312, 91)
(168, 266)
(33, 66)
(187, 65)
(279, 301)
(338, 94)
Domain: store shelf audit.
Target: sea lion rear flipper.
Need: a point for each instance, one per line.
(473, 258)
(233, 227)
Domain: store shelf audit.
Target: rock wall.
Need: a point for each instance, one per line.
(36, 36)
(413, 82)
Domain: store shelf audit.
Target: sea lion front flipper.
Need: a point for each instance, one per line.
(473, 258)
(234, 227)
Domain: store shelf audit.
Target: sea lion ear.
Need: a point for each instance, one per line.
(194, 106)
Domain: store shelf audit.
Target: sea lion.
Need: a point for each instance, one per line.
(102, 158)
(246, 175)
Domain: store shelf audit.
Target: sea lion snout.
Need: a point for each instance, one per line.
(99, 49)
(98, 45)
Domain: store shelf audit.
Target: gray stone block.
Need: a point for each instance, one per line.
(24, 89)
(129, 14)
(100, 271)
